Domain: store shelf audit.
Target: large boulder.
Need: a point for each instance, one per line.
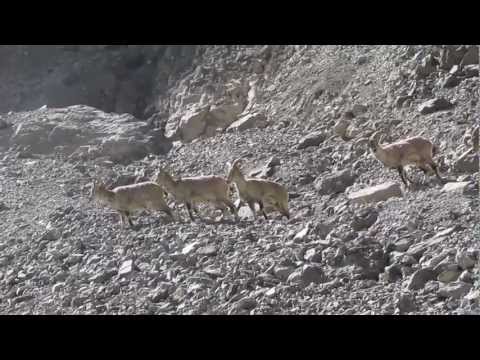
(122, 138)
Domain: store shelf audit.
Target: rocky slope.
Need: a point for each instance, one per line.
(358, 242)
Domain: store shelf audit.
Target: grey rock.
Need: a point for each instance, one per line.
(359, 109)
(313, 139)
(455, 186)
(23, 298)
(283, 272)
(419, 278)
(376, 193)
(209, 250)
(406, 303)
(402, 245)
(465, 259)
(256, 120)
(466, 276)
(364, 219)
(448, 273)
(434, 105)
(103, 276)
(451, 81)
(313, 255)
(301, 235)
(160, 293)
(402, 100)
(392, 273)
(471, 71)
(450, 55)
(126, 268)
(307, 274)
(455, 290)
(246, 303)
(427, 67)
(470, 57)
(335, 183)
(467, 163)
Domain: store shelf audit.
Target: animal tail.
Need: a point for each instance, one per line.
(434, 150)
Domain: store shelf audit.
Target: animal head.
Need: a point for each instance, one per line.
(97, 187)
(234, 170)
(374, 141)
(162, 176)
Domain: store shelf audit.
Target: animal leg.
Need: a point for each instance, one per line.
(425, 172)
(400, 171)
(251, 205)
(189, 208)
(262, 209)
(169, 212)
(435, 168)
(231, 206)
(127, 215)
(121, 219)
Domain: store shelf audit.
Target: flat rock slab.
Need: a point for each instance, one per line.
(434, 105)
(376, 193)
(455, 186)
(257, 120)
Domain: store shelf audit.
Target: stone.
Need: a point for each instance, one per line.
(455, 290)
(392, 273)
(249, 121)
(401, 100)
(426, 67)
(126, 268)
(193, 123)
(466, 276)
(471, 71)
(301, 235)
(376, 193)
(419, 278)
(283, 272)
(450, 55)
(336, 182)
(160, 293)
(307, 274)
(313, 139)
(470, 57)
(103, 276)
(359, 109)
(246, 303)
(465, 260)
(434, 105)
(406, 303)
(74, 259)
(455, 186)
(313, 255)
(418, 249)
(209, 250)
(402, 245)
(467, 163)
(58, 287)
(450, 81)
(449, 273)
(364, 219)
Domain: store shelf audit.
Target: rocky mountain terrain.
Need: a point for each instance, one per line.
(358, 241)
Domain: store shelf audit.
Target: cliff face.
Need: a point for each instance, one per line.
(111, 78)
